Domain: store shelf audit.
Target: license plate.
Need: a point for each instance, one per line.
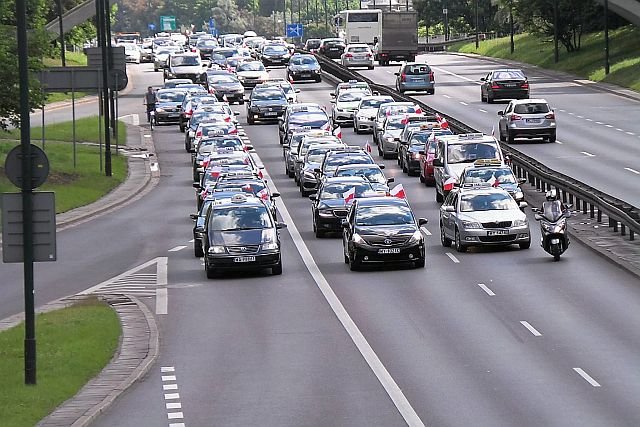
(271, 113)
(532, 120)
(244, 259)
(360, 57)
(306, 75)
(333, 48)
(389, 251)
(497, 232)
(174, 115)
(509, 85)
(276, 60)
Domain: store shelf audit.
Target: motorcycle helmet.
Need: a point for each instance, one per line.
(551, 195)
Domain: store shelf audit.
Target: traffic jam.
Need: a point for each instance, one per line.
(236, 224)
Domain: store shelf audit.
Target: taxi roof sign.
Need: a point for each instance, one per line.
(238, 198)
(471, 135)
(487, 162)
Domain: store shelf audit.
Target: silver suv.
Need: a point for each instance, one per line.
(527, 118)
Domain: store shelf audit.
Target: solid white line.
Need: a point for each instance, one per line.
(170, 386)
(177, 248)
(175, 415)
(173, 405)
(447, 96)
(171, 396)
(167, 369)
(391, 387)
(482, 111)
(122, 275)
(463, 103)
(162, 294)
(562, 111)
(619, 130)
(486, 289)
(168, 378)
(530, 328)
(580, 117)
(589, 120)
(587, 154)
(632, 170)
(176, 424)
(571, 114)
(192, 240)
(453, 258)
(609, 126)
(425, 231)
(587, 377)
(559, 142)
(630, 133)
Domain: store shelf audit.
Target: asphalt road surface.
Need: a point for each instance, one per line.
(492, 337)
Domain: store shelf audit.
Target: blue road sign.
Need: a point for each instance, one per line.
(152, 27)
(295, 30)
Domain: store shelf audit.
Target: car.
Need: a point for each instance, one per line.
(231, 40)
(266, 103)
(132, 52)
(427, 153)
(494, 173)
(312, 45)
(479, 216)
(198, 116)
(357, 55)
(365, 115)
(331, 47)
(454, 153)
(216, 149)
(290, 147)
(161, 55)
(415, 76)
(190, 104)
(241, 235)
(275, 54)
(147, 50)
(390, 109)
(231, 63)
(226, 86)
(351, 85)
(527, 118)
(305, 116)
(381, 230)
(219, 55)
(300, 155)
(199, 218)
(183, 66)
(169, 104)
(371, 172)
(329, 207)
(251, 183)
(347, 155)
(308, 180)
(504, 84)
(251, 73)
(416, 122)
(304, 67)
(344, 106)
(287, 87)
(389, 137)
(410, 153)
(205, 46)
(173, 83)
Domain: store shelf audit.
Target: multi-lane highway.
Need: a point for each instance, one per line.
(492, 337)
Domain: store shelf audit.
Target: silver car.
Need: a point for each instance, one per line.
(357, 55)
(312, 160)
(365, 115)
(474, 216)
(345, 105)
(391, 109)
(389, 137)
(527, 118)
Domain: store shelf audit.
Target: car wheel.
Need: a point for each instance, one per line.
(552, 137)
(405, 169)
(511, 138)
(431, 92)
(446, 242)
(241, 101)
(380, 150)
(319, 233)
(525, 245)
(291, 174)
(250, 119)
(419, 263)
(276, 270)
(354, 264)
(182, 128)
(370, 67)
(303, 193)
(489, 99)
(459, 246)
(501, 136)
(197, 249)
(439, 197)
(211, 273)
(421, 178)
(481, 97)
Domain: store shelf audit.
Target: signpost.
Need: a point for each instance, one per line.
(295, 30)
(212, 27)
(167, 23)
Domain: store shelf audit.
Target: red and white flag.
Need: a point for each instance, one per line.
(444, 124)
(263, 194)
(449, 184)
(494, 181)
(367, 147)
(216, 171)
(349, 195)
(338, 132)
(398, 191)
(326, 126)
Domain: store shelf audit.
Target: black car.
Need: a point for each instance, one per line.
(226, 86)
(409, 153)
(275, 54)
(169, 104)
(382, 230)
(200, 218)
(303, 67)
(241, 235)
(332, 48)
(303, 116)
(329, 207)
(266, 103)
(219, 55)
(504, 84)
(312, 45)
(206, 46)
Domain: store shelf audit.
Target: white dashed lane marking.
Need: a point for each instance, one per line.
(463, 103)
(486, 289)
(482, 111)
(453, 258)
(173, 405)
(171, 396)
(530, 328)
(632, 171)
(587, 154)
(586, 377)
(177, 248)
(168, 378)
(170, 386)
(425, 231)
(167, 369)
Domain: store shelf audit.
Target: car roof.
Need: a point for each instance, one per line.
(481, 189)
(382, 201)
(344, 179)
(530, 101)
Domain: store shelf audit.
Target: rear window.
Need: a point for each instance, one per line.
(313, 44)
(417, 69)
(507, 75)
(531, 108)
(359, 49)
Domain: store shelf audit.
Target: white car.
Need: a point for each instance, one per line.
(251, 73)
(132, 52)
(345, 105)
(365, 115)
(357, 55)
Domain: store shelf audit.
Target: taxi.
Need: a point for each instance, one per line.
(345, 105)
(494, 173)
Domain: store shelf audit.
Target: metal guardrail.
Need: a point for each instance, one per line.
(622, 216)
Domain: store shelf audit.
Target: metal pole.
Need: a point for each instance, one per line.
(555, 32)
(511, 29)
(62, 48)
(102, 38)
(73, 118)
(284, 16)
(27, 192)
(109, 104)
(42, 124)
(477, 30)
(100, 109)
(606, 37)
(326, 17)
(115, 128)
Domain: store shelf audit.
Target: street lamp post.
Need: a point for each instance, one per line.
(606, 37)
(445, 12)
(555, 32)
(477, 32)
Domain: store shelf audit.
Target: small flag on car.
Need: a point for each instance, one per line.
(349, 195)
(398, 191)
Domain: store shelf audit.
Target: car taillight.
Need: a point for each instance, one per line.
(348, 55)
(495, 86)
(431, 77)
(515, 117)
(551, 116)
(369, 55)
(198, 134)
(525, 85)
(403, 77)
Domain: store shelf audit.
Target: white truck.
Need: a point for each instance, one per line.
(398, 39)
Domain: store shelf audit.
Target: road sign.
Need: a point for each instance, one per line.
(167, 23)
(212, 27)
(295, 30)
(39, 166)
(44, 227)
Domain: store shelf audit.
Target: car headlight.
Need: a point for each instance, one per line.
(217, 249)
(471, 224)
(357, 239)
(159, 110)
(520, 223)
(339, 110)
(309, 174)
(519, 195)
(269, 239)
(415, 156)
(325, 213)
(415, 238)
(389, 139)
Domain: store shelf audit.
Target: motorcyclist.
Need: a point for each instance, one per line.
(553, 208)
(150, 100)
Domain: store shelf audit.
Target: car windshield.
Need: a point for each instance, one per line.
(216, 128)
(313, 44)
(316, 155)
(313, 119)
(487, 202)
(372, 103)
(417, 69)
(232, 217)
(207, 43)
(372, 174)
(251, 66)
(336, 191)
(270, 50)
(215, 144)
(225, 53)
(383, 215)
(170, 96)
(268, 95)
(221, 80)
(470, 152)
(494, 176)
(202, 116)
(552, 210)
(395, 124)
(303, 60)
(531, 108)
(339, 160)
(179, 61)
(392, 110)
(351, 96)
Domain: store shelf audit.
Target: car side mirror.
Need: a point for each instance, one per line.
(422, 152)
(274, 195)
(313, 197)
(422, 221)
(333, 95)
(537, 217)
(296, 90)
(482, 79)
(396, 74)
(522, 181)
(236, 113)
(317, 170)
(381, 166)
(193, 216)
(390, 180)
(523, 205)
(437, 162)
(501, 113)
(344, 223)
(196, 185)
(280, 225)
(449, 208)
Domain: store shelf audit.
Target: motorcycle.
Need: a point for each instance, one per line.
(553, 227)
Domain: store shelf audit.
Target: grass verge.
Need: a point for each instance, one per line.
(63, 96)
(74, 345)
(588, 62)
(72, 59)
